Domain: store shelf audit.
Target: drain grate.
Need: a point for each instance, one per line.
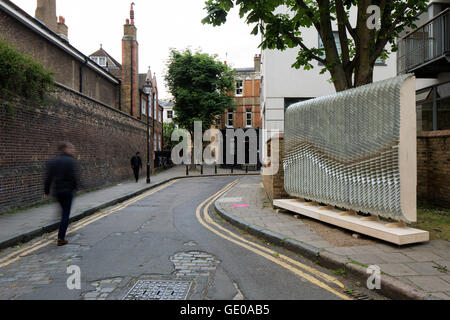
(357, 295)
(159, 290)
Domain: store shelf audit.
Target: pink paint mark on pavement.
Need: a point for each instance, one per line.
(239, 205)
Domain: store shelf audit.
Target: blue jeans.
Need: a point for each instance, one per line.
(65, 201)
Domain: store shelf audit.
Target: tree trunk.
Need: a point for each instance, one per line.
(340, 79)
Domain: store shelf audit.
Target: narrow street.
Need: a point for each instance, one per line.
(167, 234)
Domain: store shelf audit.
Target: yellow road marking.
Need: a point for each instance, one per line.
(296, 271)
(14, 256)
(316, 272)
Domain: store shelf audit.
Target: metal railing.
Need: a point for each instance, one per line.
(424, 44)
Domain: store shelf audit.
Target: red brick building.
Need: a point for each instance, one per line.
(247, 99)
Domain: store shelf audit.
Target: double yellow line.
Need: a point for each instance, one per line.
(294, 266)
(16, 255)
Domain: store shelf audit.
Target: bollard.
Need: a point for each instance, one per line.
(215, 169)
(187, 170)
(232, 169)
(201, 169)
(246, 169)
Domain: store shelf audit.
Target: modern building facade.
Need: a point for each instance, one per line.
(425, 51)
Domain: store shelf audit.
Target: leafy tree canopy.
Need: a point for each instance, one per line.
(200, 86)
(281, 23)
(21, 76)
(169, 127)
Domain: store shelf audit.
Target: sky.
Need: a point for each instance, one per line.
(161, 24)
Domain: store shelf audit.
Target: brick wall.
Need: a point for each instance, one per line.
(104, 137)
(433, 167)
(274, 184)
(68, 70)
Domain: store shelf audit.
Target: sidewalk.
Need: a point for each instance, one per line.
(24, 225)
(420, 271)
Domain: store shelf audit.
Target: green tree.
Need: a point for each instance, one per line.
(22, 77)
(361, 45)
(201, 88)
(169, 127)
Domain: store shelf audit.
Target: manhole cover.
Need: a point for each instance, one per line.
(159, 290)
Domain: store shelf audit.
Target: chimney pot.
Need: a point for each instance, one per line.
(132, 13)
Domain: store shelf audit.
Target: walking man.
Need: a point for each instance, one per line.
(136, 164)
(62, 177)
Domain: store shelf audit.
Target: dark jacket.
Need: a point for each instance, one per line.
(62, 173)
(136, 163)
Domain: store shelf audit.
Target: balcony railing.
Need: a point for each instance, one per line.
(429, 42)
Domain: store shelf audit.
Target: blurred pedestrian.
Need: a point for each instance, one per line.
(136, 164)
(61, 180)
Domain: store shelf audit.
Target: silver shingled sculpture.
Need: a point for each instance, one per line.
(343, 149)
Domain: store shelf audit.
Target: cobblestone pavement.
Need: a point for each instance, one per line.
(38, 270)
(194, 263)
(425, 266)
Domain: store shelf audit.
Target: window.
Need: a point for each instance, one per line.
(230, 120)
(154, 106)
(239, 87)
(433, 108)
(249, 117)
(101, 61)
(154, 141)
(169, 114)
(339, 48)
(143, 106)
(159, 142)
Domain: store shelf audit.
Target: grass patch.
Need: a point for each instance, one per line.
(358, 263)
(440, 268)
(266, 203)
(434, 219)
(340, 272)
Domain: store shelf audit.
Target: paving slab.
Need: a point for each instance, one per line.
(441, 295)
(367, 258)
(444, 253)
(422, 256)
(430, 283)
(426, 268)
(395, 257)
(444, 263)
(398, 269)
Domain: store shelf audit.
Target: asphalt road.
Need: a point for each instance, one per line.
(162, 235)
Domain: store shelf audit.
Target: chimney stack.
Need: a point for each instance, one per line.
(63, 30)
(130, 63)
(257, 63)
(46, 13)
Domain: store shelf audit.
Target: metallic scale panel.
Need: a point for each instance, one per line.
(343, 149)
